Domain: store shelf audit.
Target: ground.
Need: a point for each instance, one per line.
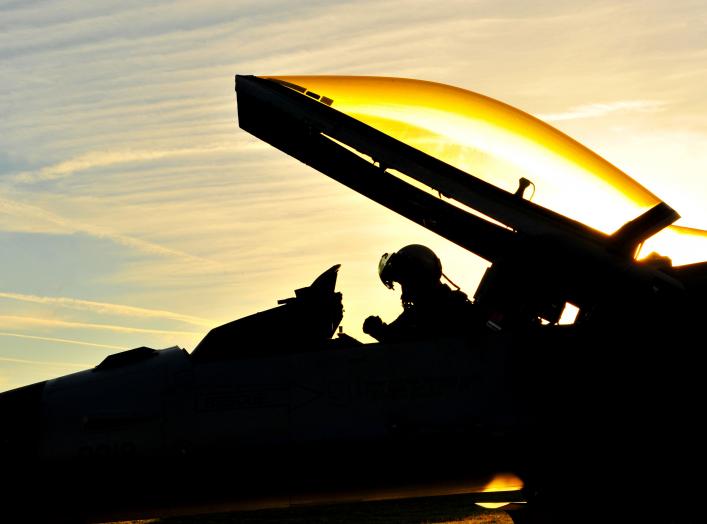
(432, 510)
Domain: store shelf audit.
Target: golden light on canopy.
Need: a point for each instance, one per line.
(500, 144)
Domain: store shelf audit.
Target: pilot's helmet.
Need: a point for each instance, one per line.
(413, 264)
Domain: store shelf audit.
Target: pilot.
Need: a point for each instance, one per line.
(430, 307)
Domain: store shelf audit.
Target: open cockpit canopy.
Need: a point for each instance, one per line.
(499, 144)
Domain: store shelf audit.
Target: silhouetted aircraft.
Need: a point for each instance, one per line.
(275, 410)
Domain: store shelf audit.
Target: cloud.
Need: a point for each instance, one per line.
(15, 321)
(603, 109)
(108, 308)
(99, 159)
(36, 215)
(44, 363)
(62, 340)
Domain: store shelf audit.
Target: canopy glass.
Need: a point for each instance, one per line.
(500, 144)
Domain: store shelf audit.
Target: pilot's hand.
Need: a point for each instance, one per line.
(373, 325)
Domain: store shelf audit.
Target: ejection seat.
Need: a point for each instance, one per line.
(304, 322)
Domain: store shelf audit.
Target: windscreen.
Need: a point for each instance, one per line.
(501, 144)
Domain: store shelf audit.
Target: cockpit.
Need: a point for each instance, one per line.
(559, 224)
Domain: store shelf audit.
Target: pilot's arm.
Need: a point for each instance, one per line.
(375, 327)
(400, 330)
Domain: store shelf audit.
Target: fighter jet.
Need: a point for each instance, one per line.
(279, 409)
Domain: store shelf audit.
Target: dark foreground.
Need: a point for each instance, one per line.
(457, 508)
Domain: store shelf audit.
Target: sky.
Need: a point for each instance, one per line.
(134, 211)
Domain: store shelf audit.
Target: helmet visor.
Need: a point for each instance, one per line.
(384, 271)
